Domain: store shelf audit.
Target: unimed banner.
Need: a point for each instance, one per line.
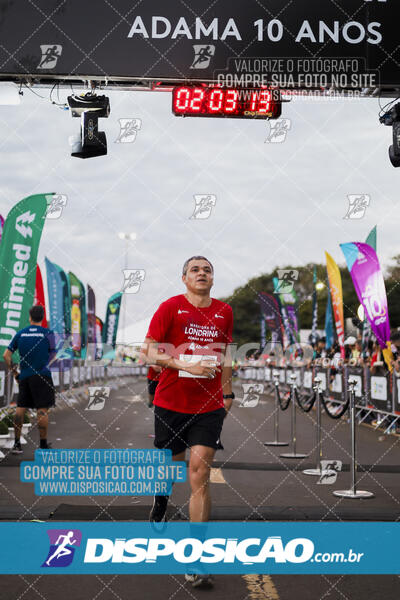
(18, 255)
(60, 313)
(363, 264)
(271, 313)
(56, 300)
(99, 338)
(286, 302)
(366, 331)
(314, 313)
(66, 299)
(110, 327)
(39, 294)
(91, 315)
(329, 333)
(78, 315)
(335, 284)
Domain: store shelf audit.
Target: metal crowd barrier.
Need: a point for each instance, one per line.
(68, 375)
(348, 389)
(375, 395)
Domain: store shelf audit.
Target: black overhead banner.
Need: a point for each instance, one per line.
(345, 43)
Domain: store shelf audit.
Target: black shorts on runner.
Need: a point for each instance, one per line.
(178, 431)
(151, 386)
(36, 391)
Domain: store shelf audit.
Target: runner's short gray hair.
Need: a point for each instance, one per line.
(186, 265)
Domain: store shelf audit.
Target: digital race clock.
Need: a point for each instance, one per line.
(191, 101)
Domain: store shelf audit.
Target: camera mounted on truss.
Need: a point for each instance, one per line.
(90, 108)
(392, 118)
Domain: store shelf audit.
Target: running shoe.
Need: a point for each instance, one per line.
(46, 447)
(17, 448)
(159, 508)
(200, 581)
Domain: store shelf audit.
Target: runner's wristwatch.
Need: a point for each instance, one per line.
(226, 396)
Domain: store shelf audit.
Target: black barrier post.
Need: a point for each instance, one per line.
(270, 382)
(276, 441)
(317, 470)
(353, 492)
(293, 454)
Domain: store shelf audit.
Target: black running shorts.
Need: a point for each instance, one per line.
(36, 391)
(178, 431)
(151, 386)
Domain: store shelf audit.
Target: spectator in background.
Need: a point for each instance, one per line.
(335, 356)
(349, 346)
(357, 350)
(36, 348)
(378, 365)
(320, 349)
(395, 339)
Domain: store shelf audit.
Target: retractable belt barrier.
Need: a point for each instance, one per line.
(276, 441)
(338, 390)
(372, 393)
(293, 377)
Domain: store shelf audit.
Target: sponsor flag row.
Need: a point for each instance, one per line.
(280, 310)
(71, 307)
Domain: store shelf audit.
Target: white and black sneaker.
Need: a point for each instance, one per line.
(17, 448)
(159, 508)
(201, 581)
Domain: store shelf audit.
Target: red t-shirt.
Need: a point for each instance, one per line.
(183, 330)
(153, 375)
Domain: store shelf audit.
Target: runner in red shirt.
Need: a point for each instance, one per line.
(189, 336)
(153, 376)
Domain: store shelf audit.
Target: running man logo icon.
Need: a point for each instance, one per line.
(97, 397)
(55, 208)
(203, 205)
(286, 279)
(358, 204)
(278, 131)
(251, 394)
(63, 543)
(113, 306)
(22, 224)
(132, 280)
(128, 129)
(50, 55)
(329, 471)
(202, 56)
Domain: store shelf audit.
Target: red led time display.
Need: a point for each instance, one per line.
(191, 101)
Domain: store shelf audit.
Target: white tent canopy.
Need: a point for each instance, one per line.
(133, 334)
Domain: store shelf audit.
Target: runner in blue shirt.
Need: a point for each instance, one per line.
(36, 348)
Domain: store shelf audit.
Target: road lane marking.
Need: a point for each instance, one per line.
(261, 587)
(216, 476)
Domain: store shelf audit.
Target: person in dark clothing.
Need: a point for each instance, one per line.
(36, 348)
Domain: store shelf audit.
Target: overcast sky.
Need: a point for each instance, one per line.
(276, 203)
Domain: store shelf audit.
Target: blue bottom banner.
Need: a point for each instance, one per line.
(212, 548)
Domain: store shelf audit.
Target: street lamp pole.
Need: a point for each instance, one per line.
(127, 237)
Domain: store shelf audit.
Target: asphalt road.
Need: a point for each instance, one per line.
(250, 482)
